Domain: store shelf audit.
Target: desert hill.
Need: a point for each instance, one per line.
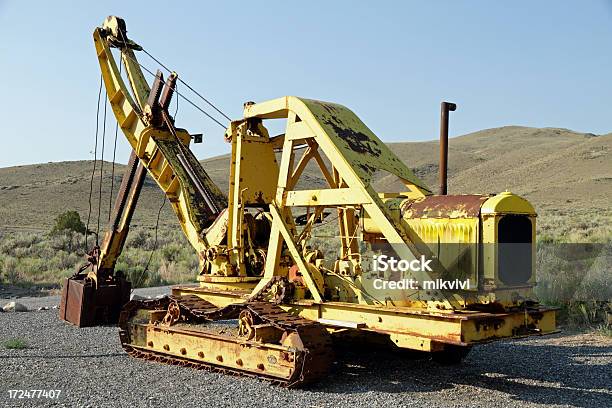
(566, 174)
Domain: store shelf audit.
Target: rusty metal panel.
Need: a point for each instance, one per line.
(71, 301)
(357, 143)
(84, 305)
(444, 206)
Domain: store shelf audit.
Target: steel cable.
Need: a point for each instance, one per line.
(125, 42)
(93, 172)
(148, 71)
(146, 268)
(101, 171)
(177, 102)
(187, 85)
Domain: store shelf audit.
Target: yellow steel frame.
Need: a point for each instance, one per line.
(339, 134)
(355, 153)
(348, 179)
(407, 327)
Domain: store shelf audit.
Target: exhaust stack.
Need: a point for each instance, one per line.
(445, 107)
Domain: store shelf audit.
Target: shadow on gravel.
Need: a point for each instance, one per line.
(539, 373)
(12, 292)
(51, 357)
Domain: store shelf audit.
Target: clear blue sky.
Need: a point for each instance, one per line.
(533, 63)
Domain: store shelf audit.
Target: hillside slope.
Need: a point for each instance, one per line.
(564, 173)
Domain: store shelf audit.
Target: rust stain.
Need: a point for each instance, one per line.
(366, 153)
(357, 141)
(444, 206)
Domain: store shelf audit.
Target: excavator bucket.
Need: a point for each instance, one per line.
(83, 304)
(97, 297)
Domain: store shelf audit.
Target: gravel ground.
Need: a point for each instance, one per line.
(91, 369)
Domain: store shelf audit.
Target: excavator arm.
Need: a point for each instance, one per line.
(162, 149)
(159, 149)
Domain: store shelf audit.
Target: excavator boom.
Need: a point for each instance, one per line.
(164, 153)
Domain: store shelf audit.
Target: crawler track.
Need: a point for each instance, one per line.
(306, 358)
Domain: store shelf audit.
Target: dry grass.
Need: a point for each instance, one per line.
(28, 259)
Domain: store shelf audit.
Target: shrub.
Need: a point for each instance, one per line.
(68, 221)
(137, 275)
(65, 260)
(137, 239)
(19, 243)
(9, 270)
(66, 241)
(171, 252)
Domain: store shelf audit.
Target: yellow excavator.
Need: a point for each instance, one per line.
(286, 300)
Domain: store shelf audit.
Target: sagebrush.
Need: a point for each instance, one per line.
(46, 259)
